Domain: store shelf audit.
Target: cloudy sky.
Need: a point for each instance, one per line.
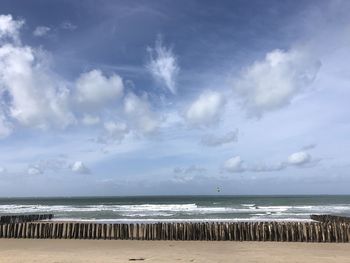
(174, 97)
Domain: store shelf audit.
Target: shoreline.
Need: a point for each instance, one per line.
(50, 251)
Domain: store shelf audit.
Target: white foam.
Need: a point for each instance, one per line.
(155, 220)
(248, 205)
(177, 210)
(162, 214)
(156, 207)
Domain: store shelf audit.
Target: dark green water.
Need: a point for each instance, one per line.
(172, 208)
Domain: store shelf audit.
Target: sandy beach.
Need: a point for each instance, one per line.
(57, 251)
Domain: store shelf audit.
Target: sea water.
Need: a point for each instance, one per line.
(179, 208)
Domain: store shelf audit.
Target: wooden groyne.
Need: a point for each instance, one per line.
(13, 219)
(330, 218)
(218, 231)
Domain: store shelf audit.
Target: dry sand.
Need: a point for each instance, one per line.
(48, 251)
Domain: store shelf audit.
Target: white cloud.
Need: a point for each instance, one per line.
(56, 164)
(9, 28)
(273, 82)
(299, 158)
(139, 113)
(2, 170)
(93, 89)
(189, 170)
(34, 96)
(67, 25)
(37, 98)
(182, 178)
(237, 165)
(212, 140)
(267, 168)
(116, 131)
(206, 109)
(34, 171)
(41, 31)
(90, 120)
(163, 65)
(79, 167)
(234, 165)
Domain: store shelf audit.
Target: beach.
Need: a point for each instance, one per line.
(57, 251)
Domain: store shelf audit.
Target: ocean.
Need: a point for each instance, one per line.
(179, 208)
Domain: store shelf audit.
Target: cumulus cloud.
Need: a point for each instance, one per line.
(206, 109)
(273, 82)
(139, 113)
(37, 98)
(93, 89)
(9, 28)
(299, 158)
(212, 140)
(32, 95)
(79, 167)
(41, 31)
(163, 65)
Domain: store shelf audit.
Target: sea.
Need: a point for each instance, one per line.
(179, 208)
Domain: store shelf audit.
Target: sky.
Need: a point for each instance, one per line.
(174, 97)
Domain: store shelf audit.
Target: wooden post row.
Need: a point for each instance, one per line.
(218, 231)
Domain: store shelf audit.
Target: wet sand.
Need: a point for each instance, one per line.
(57, 251)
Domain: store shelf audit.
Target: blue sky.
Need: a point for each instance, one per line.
(174, 97)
